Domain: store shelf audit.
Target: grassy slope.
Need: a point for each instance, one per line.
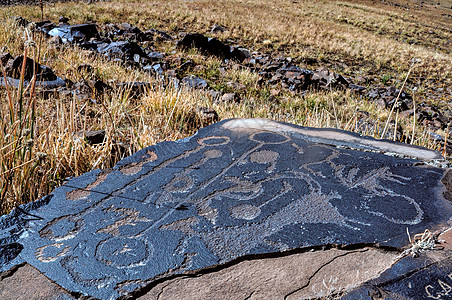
(371, 39)
(372, 33)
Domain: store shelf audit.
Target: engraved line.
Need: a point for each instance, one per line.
(205, 184)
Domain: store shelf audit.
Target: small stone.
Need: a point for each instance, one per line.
(157, 34)
(196, 40)
(63, 20)
(326, 79)
(45, 26)
(92, 137)
(158, 69)
(124, 50)
(357, 88)
(5, 57)
(14, 68)
(240, 54)
(218, 48)
(230, 97)
(211, 46)
(194, 82)
(74, 33)
(386, 97)
(87, 68)
(217, 28)
(155, 56)
(235, 86)
(275, 92)
(207, 115)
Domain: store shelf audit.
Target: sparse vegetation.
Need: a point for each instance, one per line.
(421, 242)
(38, 144)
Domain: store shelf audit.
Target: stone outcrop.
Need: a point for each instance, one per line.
(245, 208)
(45, 77)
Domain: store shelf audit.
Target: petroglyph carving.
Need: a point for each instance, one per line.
(440, 289)
(134, 168)
(62, 228)
(265, 157)
(216, 198)
(245, 211)
(42, 256)
(80, 194)
(130, 217)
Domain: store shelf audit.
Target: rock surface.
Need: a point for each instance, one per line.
(25, 282)
(45, 77)
(245, 208)
(297, 276)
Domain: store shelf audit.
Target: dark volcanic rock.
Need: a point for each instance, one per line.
(217, 28)
(195, 40)
(431, 116)
(11, 227)
(237, 189)
(357, 88)
(194, 82)
(327, 79)
(387, 96)
(212, 46)
(9, 252)
(207, 115)
(45, 77)
(295, 77)
(124, 50)
(86, 89)
(14, 67)
(281, 71)
(162, 35)
(92, 137)
(45, 26)
(217, 48)
(155, 56)
(74, 33)
(240, 54)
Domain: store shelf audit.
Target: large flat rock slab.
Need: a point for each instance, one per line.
(235, 192)
(25, 282)
(297, 276)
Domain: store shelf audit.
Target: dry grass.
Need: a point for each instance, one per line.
(344, 29)
(39, 149)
